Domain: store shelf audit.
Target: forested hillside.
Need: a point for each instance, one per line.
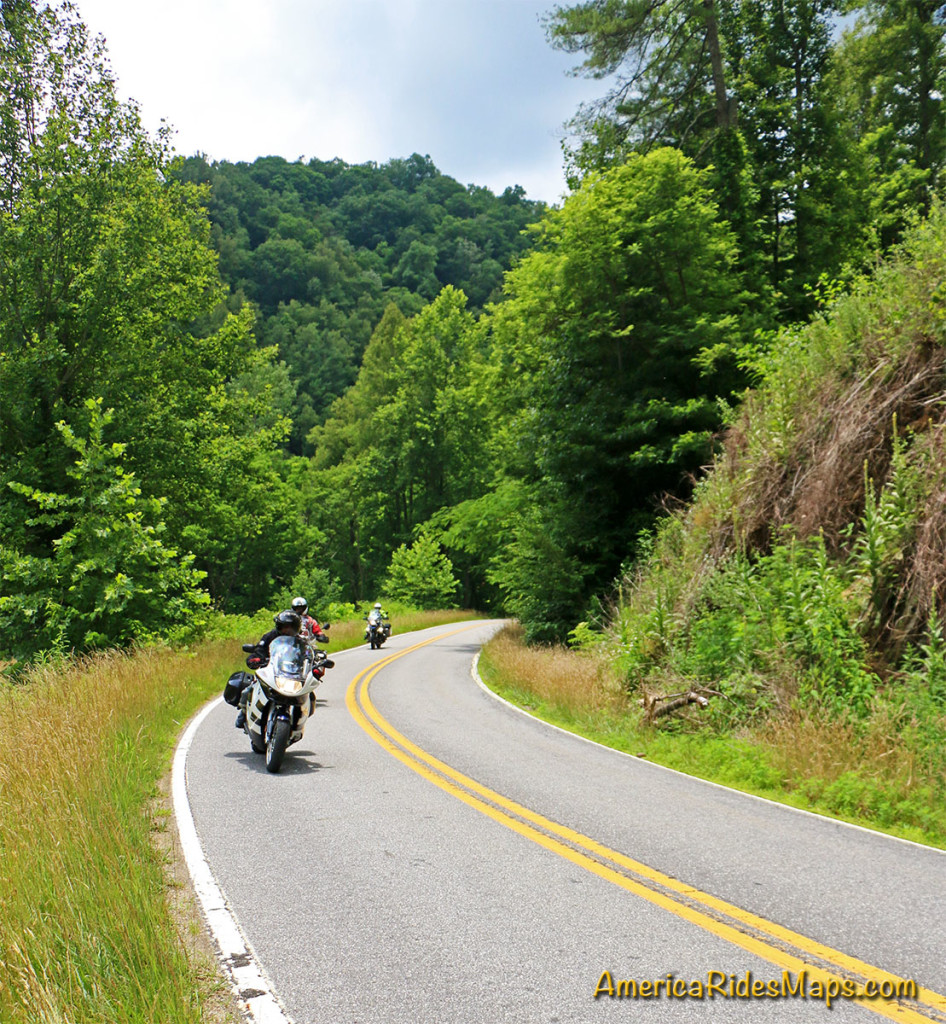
(220, 383)
(322, 248)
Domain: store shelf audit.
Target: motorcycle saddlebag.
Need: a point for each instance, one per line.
(234, 687)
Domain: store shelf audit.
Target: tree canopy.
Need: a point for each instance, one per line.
(322, 248)
(218, 379)
(109, 294)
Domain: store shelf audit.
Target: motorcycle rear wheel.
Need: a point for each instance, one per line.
(276, 748)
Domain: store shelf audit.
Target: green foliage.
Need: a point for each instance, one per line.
(822, 145)
(603, 350)
(794, 579)
(818, 626)
(759, 631)
(926, 664)
(324, 248)
(543, 585)
(110, 292)
(318, 587)
(891, 71)
(107, 578)
(918, 705)
(412, 436)
(585, 637)
(421, 575)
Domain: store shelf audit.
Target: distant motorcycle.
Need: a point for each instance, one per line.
(282, 695)
(377, 630)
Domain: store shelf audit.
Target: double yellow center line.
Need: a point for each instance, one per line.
(764, 938)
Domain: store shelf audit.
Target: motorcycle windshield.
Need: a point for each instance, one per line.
(374, 618)
(289, 656)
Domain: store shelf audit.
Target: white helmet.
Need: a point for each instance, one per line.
(377, 604)
(300, 605)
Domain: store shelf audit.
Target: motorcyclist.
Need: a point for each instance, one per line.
(286, 623)
(378, 613)
(311, 630)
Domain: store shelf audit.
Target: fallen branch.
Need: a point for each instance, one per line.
(653, 709)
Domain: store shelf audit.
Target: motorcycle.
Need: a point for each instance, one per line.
(377, 630)
(283, 694)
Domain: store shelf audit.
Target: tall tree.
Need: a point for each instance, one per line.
(615, 342)
(891, 76)
(743, 87)
(780, 54)
(671, 85)
(109, 291)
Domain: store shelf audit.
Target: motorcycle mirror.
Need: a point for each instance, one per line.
(325, 625)
(249, 648)
(328, 663)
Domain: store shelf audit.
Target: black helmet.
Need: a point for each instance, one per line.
(288, 620)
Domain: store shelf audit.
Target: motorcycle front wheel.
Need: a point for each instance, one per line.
(276, 747)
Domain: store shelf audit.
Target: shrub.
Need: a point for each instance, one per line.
(421, 575)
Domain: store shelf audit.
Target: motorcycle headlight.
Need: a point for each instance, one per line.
(288, 685)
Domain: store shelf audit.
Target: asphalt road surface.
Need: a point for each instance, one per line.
(429, 855)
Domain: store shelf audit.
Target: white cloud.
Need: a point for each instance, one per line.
(472, 83)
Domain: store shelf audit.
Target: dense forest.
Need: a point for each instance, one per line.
(322, 248)
(220, 383)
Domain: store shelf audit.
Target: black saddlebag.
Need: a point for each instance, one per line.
(234, 687)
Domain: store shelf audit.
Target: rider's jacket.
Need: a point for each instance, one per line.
(311, 630)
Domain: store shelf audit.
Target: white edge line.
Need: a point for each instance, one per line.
(474, 671)
(237, 957)
(234, 951)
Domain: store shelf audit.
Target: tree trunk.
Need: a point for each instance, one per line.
(726, 113)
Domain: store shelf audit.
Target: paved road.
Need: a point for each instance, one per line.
(429, 855)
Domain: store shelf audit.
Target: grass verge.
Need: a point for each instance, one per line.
(864, 774)
(86, 934)
(97, 924)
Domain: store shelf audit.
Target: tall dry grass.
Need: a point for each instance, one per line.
(874, 772)
(560, 680)
(85, 931)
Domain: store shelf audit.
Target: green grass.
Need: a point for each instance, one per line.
(85, 930)
(87, 933)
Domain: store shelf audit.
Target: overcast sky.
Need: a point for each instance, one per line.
(471, 83)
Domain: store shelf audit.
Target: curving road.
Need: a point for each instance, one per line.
(429, 855)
